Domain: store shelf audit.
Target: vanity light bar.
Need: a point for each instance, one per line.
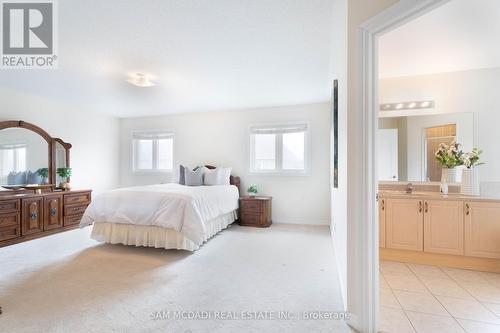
(407, 106)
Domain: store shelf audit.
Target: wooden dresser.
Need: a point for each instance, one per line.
(27, 216)
(256, 211)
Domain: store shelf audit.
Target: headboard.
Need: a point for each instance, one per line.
(233, 180)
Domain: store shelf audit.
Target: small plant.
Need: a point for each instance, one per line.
(472, 158)
(43, 172)
(64, 172)
(252, 189)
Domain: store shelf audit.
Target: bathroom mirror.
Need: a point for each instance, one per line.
(406, 145)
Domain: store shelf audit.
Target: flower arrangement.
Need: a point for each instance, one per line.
(450, 156)
(472, 158)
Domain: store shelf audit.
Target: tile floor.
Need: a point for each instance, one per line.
(430, 299)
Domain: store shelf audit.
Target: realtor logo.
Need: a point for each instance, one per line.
(28, 34)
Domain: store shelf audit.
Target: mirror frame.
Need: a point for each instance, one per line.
(51, 143)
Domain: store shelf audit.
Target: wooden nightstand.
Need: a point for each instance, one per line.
(255, 211)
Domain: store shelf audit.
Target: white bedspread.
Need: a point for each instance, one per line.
(182, 208)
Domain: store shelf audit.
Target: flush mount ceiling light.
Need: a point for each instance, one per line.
(140, 80)
(407, 105)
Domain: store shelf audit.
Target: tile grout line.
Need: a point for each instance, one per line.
(397, 300)
(432, 294)
(476, 299)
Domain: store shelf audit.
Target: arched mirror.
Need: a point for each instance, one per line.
(29, 155)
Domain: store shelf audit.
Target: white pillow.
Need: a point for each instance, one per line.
(217, 176)
(225, 175)
(211, 177)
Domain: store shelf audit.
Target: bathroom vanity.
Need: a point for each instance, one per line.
(423, 223)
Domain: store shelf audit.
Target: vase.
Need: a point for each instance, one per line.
(447, 176)
(252, 194)
(470, 182)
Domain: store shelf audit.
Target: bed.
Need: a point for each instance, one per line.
(169, 216)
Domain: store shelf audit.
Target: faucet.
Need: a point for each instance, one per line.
(409, 188)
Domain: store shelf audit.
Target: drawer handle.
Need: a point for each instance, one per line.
(467, 209)
(33, 216)
(426, 207)
(53, 212)
(383, 204)
(420, 206)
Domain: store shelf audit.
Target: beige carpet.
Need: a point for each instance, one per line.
(70, 283)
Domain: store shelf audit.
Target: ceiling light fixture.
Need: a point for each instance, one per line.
(407, 105)
(140, 80)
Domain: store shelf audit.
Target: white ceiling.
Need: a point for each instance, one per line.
(204, 55)
(460, 35)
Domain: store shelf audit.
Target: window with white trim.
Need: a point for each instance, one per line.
(279, 148)
(153, 151)
(12, 158)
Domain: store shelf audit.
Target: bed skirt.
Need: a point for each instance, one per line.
(158, 237)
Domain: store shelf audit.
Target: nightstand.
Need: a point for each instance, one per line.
(255, 211)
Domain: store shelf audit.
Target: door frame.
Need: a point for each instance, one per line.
(367, 107)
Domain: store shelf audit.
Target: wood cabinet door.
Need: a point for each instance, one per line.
(444, 227)
(482, 229)
(32, 215)
(53, 212)
(381, 223)
(404, 224)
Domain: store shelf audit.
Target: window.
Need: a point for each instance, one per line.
(279, 149)
(434, 136)
(12, 158)
(153, 151)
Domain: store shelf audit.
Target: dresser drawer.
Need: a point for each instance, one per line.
(252, 219)
(80, 198)
(10, 206)
(10, 219)
(72, 220)
(74, 209)
(251, 206)
(9, 232)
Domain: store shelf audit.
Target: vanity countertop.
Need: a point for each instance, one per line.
(435, 196)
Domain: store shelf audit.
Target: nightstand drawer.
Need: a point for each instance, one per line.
(251, 219)
(251, 206)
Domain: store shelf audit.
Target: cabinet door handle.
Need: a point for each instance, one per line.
(467, 209)
(426, 207)
(420, 206)
(383, 204)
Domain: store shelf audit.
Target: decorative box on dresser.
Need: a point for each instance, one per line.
(255, 211)
(27, 216)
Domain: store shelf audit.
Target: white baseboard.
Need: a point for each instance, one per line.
(302, 221)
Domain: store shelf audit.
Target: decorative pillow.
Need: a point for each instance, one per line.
(211, 177)
(34, 178)
(16, 178)
(225, 176)
(193, 178)
(182, 177)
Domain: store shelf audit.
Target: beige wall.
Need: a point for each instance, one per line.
(222, 139)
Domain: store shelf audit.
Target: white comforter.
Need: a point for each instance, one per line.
(182, 208)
